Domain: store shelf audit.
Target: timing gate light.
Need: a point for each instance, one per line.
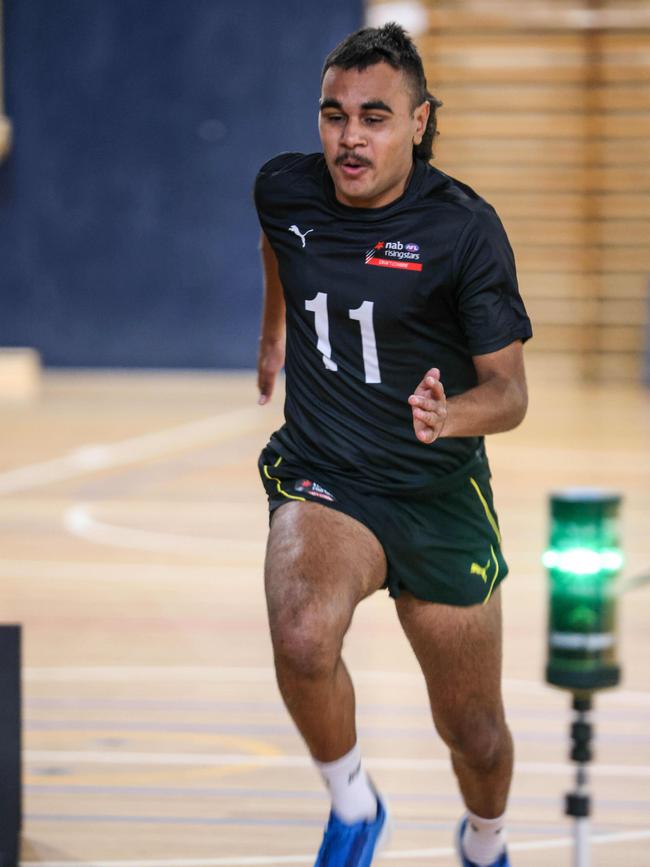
(583, 560)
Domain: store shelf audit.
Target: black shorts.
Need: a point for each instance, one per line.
(443, 547)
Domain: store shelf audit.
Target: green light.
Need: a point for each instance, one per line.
(583, 559)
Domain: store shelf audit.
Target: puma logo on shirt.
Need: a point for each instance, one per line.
(296, 231)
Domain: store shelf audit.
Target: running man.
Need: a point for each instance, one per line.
(391, 290)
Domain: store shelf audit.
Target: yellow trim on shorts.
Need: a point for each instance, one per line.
(488, 513)
(279, 482)
(496, 574)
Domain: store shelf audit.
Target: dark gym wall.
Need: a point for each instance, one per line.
(127, 231)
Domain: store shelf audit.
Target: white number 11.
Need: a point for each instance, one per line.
(363, 315)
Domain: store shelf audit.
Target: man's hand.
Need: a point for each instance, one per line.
(270, 360)
(429, 407)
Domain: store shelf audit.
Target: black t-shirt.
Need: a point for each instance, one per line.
(375, 297)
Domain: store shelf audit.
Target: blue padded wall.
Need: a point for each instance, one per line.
(127, 231)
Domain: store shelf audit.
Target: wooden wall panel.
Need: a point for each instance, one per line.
(485, 150)
(615, 179)
(549, 310)
(545, 96)
(547, 115)
(569, 232)
(564, 284)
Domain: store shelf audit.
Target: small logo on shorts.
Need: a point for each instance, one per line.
(482, 571)
(476, 569)
(306, 486)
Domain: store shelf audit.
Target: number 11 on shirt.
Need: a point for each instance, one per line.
(363, 315)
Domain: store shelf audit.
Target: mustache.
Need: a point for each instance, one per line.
(341, 158)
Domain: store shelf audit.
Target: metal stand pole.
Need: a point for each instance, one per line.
(10, 741)
(578, 804)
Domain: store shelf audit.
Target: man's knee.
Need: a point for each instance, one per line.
(307, 638)
(479, 737)
(310, 605)
(307, 621)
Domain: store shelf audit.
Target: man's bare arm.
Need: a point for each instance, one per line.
(497, 403)
(270, 358)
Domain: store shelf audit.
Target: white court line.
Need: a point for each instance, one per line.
(35, 757)
(147, 674)
(79, 522)
(162, 673)
(59, 570)
(405, 855)
(250, 674)
(92, 458)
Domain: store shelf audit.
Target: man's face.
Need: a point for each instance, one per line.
(367, 128)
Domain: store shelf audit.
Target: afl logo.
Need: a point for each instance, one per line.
(412, 248)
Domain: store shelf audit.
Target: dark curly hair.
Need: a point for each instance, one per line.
(390, 44)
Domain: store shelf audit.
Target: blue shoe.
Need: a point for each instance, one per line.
(502, 860)
(353, 845)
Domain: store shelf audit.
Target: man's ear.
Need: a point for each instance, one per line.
(421, 115)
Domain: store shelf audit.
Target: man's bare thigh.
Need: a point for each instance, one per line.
(459, 650)
(316, 551)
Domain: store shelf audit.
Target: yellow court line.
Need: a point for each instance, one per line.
(254, 754)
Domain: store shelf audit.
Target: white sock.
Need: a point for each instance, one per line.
(484, 839)
(353, 799)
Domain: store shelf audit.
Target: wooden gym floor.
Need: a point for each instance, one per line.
(131, 543)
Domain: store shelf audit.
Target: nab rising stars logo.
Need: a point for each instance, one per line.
(306, 486)
(395, 254)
